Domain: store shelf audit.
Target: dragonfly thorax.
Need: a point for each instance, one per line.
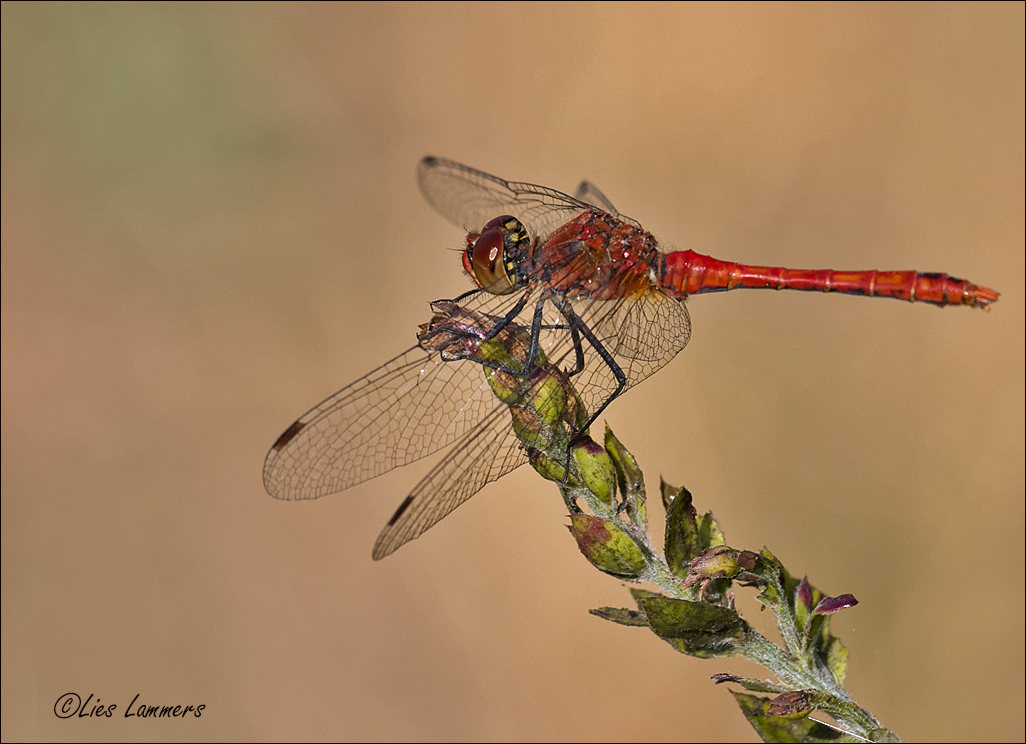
(493, 256)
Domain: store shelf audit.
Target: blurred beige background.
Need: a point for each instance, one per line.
(210, 223)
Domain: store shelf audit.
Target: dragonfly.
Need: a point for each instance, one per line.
(577, 284)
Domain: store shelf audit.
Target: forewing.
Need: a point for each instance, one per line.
(409, 407)
(469, 198)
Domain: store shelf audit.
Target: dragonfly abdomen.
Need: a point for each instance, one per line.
(684, 273)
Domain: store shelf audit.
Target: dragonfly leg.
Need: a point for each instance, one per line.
(508, 318)
(578, 329)
(577, 326)
(504, 321)
(575, 336)
(478, 335)
(532, 351)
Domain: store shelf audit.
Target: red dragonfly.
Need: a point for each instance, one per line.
(600, 298)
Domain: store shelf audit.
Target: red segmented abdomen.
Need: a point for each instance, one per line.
(684, 273)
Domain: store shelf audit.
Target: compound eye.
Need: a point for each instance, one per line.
(506, 222)
(488, 260)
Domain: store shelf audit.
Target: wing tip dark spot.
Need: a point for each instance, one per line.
(287, 436)
(401, 510)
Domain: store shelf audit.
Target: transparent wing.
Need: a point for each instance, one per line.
(641, 333)
(406, 409)
(418, 403)
(589, 193)
(645, 332)
(485, 454)
(469, 198)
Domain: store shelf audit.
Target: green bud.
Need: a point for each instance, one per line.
(507, 387)
(719, 563)
(630, 480)
(529, 427)
(714, 564)
(607, 547)
(548, 396)
(547, 467)
(597, 469)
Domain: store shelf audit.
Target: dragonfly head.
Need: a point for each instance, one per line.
(494, 256)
